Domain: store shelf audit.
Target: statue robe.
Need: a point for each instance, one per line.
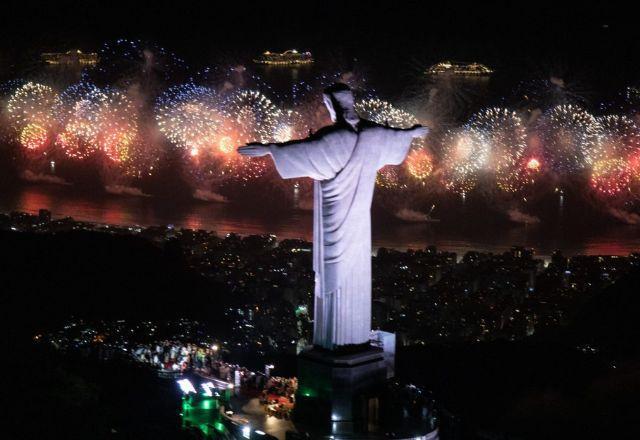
(343, 162)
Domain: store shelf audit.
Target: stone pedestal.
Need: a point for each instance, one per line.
(347, 396)
(338, 393)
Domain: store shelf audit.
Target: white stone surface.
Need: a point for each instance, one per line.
(343, 159)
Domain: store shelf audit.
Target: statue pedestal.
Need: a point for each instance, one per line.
(338, 393)
(347, 396)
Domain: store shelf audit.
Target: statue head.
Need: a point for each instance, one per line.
(340, 103)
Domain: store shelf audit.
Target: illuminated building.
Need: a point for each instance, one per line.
(287, 58)
(459, 68)
(70, 57)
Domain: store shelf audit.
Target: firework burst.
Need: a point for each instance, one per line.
(383, 113)
(33, 136)
(619, 137)
(466, 152)
(530, 170)
(419, 162)
(505, 132)
(78, 116)
(253, 117)
(249, 117)
(610, 177)
(569, 138)
(190, 119)
(632, 97)
(118, 126)
(389, 177)
(291, 125)
(30, 112)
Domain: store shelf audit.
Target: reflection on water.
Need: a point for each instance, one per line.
(226, 218)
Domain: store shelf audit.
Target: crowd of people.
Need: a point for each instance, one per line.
(278, 396)
(172, 356)
(177, 357)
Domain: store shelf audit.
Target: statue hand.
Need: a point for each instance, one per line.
(419, 131)
(254, 149)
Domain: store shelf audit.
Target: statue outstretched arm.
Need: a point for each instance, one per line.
(399, 142)
(254, 149)
(419, 130)
(258, 149)
(293, 159)
(416, 131)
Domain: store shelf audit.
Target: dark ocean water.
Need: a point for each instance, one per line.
(473, 233)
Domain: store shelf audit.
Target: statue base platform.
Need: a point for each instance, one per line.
(348, 396)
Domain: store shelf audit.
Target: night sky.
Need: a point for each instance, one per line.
(594, 42)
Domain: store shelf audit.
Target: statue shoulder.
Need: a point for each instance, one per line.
(366, 126)
(333, 133)
(326, 131)
(323, 134)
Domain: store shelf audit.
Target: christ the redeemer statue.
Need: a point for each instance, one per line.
(343, 159)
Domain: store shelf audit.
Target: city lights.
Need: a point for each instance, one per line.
(186, 386)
